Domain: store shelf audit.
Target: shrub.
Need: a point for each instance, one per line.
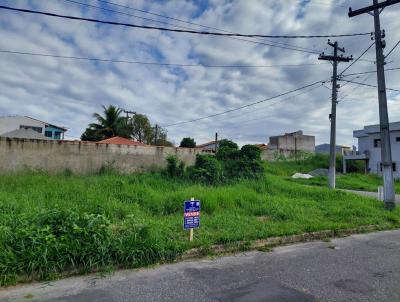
(175, 168)
(250, 152)
(207, 169)
(227, 150)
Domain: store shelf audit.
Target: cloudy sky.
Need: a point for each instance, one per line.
(67, 92)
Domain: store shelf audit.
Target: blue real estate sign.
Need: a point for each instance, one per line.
(191, 214)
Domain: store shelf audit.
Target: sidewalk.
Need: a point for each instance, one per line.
(370, 194)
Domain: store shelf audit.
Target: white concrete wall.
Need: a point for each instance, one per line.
(11, 123)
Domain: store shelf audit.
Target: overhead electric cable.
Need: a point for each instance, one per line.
(262, 42)
(154, 63)
(397, 44)
(178, 30)
(241, 107)
(358, 58)
(366, 72)
(369, 85)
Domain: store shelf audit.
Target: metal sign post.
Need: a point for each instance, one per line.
(191, 216)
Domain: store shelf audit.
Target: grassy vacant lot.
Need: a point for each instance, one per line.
(50, 225)
(352, 181)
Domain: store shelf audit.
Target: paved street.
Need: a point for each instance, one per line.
(357, 268)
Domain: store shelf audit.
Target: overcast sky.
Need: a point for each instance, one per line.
(67, 92)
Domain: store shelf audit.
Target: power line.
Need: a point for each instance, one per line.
(358, 58)
(392, 49)
(153, 63)
(244, 106)
(268, 105)
(179, 30)
(366, 72)
(287, 46)
(369, 85)
(298, 48)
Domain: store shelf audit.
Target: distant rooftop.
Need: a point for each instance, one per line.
(117, 140)
(371, 129)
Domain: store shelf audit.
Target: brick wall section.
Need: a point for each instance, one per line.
(84, 157)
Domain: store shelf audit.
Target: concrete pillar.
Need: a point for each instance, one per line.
(344, 166)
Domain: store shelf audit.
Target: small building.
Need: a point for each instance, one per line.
(10, 124)
(325, 148)
(369, 148)
(292, 142)
(208, 147)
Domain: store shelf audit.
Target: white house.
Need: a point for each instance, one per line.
(369, 148)
(9, 125)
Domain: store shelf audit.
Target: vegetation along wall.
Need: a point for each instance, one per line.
(84, 157)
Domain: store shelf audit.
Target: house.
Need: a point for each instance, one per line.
(292, 142)
(117, 140)
(325, 148)
(10, 124)
(369, 148)
(208, 147)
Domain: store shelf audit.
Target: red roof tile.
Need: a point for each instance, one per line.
(117, 140)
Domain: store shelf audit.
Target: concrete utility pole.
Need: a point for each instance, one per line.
(216, 142)
(386, 153)
(155, 135)
(335, 59)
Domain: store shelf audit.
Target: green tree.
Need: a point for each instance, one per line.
(141, 129)
(188, 142)
(111, 123)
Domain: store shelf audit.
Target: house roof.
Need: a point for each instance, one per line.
(117, 140)
(371, 129)
(48, 124)
(262, 146)
(206, 144)
(25, 133)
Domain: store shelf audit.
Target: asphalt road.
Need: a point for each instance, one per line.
(356, 268)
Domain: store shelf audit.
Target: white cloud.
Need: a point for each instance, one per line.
(69, 91)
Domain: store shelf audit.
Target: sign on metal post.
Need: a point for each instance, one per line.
(191, 215)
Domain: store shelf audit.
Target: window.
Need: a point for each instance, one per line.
(48, 134)
(394, 166)
(377, 143)
(398, 139)
(57, 135)
(37, 129)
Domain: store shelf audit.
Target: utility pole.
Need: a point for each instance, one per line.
(386, 153)
(216, 142)
(127, 115)
(335, 59)
(155, 135)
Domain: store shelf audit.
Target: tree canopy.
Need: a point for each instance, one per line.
(187, 142)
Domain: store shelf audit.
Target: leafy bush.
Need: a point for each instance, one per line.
(251, 152)
(175, 168)
(207, 169)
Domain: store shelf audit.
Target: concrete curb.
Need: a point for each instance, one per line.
(275, 241)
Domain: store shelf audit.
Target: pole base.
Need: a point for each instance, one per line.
(389, 206)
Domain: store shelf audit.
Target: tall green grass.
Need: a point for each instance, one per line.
(51, 225)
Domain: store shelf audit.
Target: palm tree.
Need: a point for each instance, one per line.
(111, 123)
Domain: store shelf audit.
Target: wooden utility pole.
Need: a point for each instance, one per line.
(335, 59)
(216, 142)
(386, 153)
(127, 115)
